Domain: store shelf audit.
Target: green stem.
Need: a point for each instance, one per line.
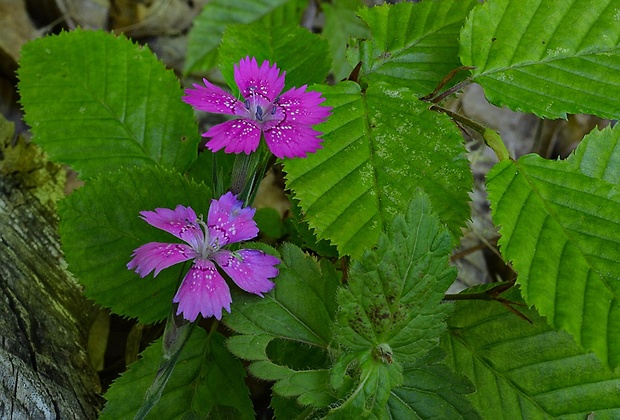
(494, 141)
(491, 138)
(177, 332)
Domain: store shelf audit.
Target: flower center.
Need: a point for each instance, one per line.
(205, 249)
(259, 109)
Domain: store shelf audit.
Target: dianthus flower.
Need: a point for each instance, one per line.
(203, 289)
(285, 120)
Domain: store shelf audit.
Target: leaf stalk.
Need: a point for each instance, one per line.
(491, 138)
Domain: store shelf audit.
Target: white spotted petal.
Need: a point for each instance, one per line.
(250, 269)
(203, 290)
(286, 119)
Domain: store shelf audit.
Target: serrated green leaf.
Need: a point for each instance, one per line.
(394, 294)
(391, 313)
(561, 229)
(100, 228)
(431, 390)
(598, 156)
(208, 27)
(527, 371)
(413, 45)
(304, 237)
(380, 146)
(547, 57)
(299, 310)
(206, 380)
(302, 54)
(342, 23)
(98, 102)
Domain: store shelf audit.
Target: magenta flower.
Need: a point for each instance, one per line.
(203, 289)
(285, 120)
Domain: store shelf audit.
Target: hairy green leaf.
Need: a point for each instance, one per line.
(431, 390)
(547, 57)
(413, 45)
(98, 102)
(100, 228)
(302, 54)
(299, 313)
(380, 146)
(206, 33)
(206, 380)
(527, 371)
(560, 226)
(391, 314)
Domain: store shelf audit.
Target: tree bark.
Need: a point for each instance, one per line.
(44, 318)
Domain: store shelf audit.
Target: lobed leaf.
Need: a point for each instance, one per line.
(99, 102)
(391, 314)
(208, 27)
(379, 147)
(298, 313)
(413, 45)
(560, 227)
(100, 228)
(206, 381)
(546, 57)
(302, 54)
(523, 370)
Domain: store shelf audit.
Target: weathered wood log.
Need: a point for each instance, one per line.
(44, 318)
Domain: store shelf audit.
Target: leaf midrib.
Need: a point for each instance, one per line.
(397, 52)
(485, 73)
(481, 360)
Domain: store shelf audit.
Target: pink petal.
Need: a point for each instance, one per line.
(292, 140)
(203, 291)
(229, 221)
(301, 107)
(180, 222)
(237, 136)
(157, 256)
(250, 269)
(210, 98)
(265, 81)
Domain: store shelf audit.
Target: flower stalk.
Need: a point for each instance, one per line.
(176, 333)
(491, 138)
